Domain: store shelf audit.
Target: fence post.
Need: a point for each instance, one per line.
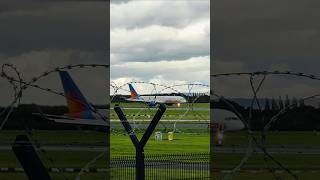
(139, 145)
(29, 159)
(140, 173)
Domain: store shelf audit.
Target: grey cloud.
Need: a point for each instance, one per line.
(158, 42)
(262, 33)
(188, 70)
(11, 6)
(119, 1)
(140, 14)
(155, 41)
(92, 82)
(266, 35)
(160, 30)
(38, 37)
(61, 25)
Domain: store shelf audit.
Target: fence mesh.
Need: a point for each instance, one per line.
(163, 166)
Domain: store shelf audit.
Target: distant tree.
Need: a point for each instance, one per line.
(274, 105)
(301, 102)
(287, 102)
(267, 105)
(280, 103)
(294, 102)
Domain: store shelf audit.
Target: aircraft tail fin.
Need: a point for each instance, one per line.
(134, 94)
(77, 104)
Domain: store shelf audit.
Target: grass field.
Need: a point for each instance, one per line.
(182, 143)
(231, 138)
(55, 176)
(189, 141)
(100, 176)
(306, 175)
(196, 111)
(140, 105)
(169, 114)
(174, 114)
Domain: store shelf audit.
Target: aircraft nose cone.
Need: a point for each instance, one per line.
(241, 125)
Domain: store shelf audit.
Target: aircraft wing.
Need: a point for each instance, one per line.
(136, 100)
(81, 121)
(65, 119)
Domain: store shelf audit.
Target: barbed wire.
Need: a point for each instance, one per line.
(19, 85)
(252, 139)
(157, 89)
(23, 85)
(292, 73)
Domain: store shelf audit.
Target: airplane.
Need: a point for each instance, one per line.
(224, 120)
(152, 101)
(229, 120)
(80, 111)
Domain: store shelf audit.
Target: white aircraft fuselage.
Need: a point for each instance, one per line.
(229, 120)
(164, 99)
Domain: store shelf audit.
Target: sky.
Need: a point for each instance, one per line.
(165, 42)
(162, 41)
(258, 35)
(39, 36)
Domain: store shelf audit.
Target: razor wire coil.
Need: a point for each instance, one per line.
(252, 139)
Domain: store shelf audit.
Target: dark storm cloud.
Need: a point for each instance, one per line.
(256, 35)
(262, 33)
(40, 36)
(17, 5)
(61, 25)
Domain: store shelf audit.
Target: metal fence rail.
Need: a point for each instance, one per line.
(163, 166)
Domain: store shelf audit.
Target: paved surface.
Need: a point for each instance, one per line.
(167, 120)
(218, 150)
(168, 109)
(271, 150)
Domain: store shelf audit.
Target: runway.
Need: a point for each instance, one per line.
(167, 120)
(168, 108)
(217, 150)
(62, 147)
(271, 150)
(113, 165)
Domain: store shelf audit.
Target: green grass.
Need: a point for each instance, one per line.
(186, 142)
(172, 112)
(292, 138)
(169, 114)
(61, 159)
(159, 174)
(182, 143)
(139, 105)
(292, 161)
(55, 176)
(307, 175)
(56, 136)
(221, 161)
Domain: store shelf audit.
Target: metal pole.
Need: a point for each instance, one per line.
(152, 125)
(140, 164)
(139, 145)
(29, 159)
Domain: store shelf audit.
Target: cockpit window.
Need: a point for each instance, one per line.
(231, 118)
